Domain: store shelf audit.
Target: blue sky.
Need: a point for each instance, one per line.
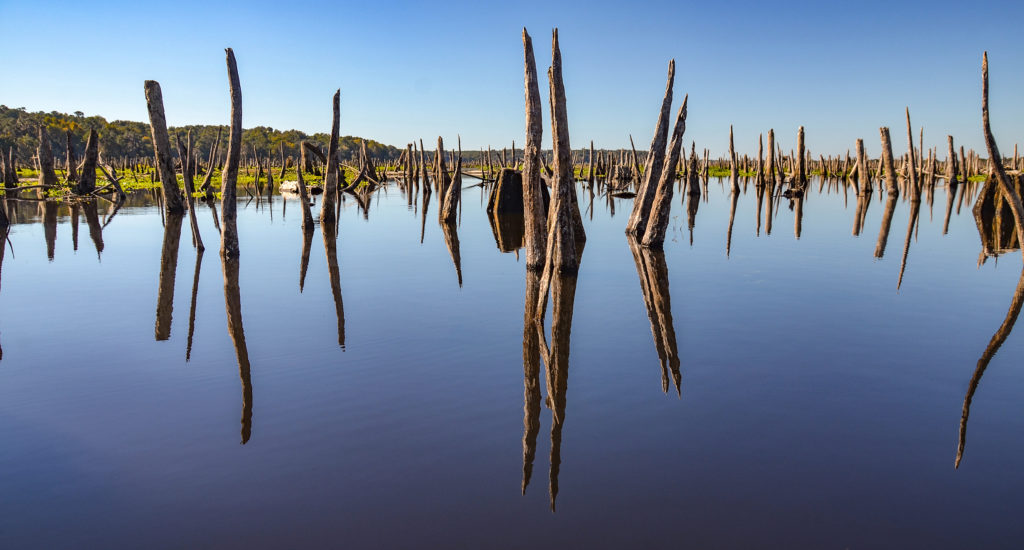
(410, 70)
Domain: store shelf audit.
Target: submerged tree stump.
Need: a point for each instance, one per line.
(47, 175)
(507, 193)
(87, 178)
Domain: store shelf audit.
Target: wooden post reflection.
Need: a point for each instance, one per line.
(652, 270)
(950, 198)
(509, 230)
(50, 227)
(307, 244)
(732, 216)
(531, 377)
(451, 239)
(883, 232)
(5, 226)
(691, 213)
(556, 361)
(331, 249)
(990, 351)
(798, 216)
(233, 307)
(92, 219)
(863, 201)
(192, 307)
(760, 203)
(915, 210)
(75, 208)
(426, 206)
(168, 267)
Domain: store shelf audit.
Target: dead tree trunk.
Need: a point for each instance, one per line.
(892, 185)
(915, 195)
(863, 172)
(1009, 189)
(284, 164)
(657, 225)
(162, 148)
(951, 182)
(450, 204)
(71, 177)
(207, 187)
(87, 178)
(645, 195)
(533, 203)
(327, 216)
(185, 153)
(560, 257)
(47, 176)
(307, 215)
(229, 179)
(733, 172)
(11, 177)
(801, 168)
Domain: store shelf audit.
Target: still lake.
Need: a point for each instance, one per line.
(772, 385)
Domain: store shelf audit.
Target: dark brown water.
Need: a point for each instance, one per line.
(744, 389)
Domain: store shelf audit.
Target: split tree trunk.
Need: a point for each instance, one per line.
(652, 168)
(657, 225)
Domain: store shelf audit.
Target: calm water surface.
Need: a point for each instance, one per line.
(751, 387)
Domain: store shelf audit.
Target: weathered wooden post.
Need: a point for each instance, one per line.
(951, 182)
(892, 185)
(863, 171)
(162, 148)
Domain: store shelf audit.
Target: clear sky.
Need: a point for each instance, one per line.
(410, 70)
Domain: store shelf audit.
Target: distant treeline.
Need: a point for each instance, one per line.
(122, 138)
